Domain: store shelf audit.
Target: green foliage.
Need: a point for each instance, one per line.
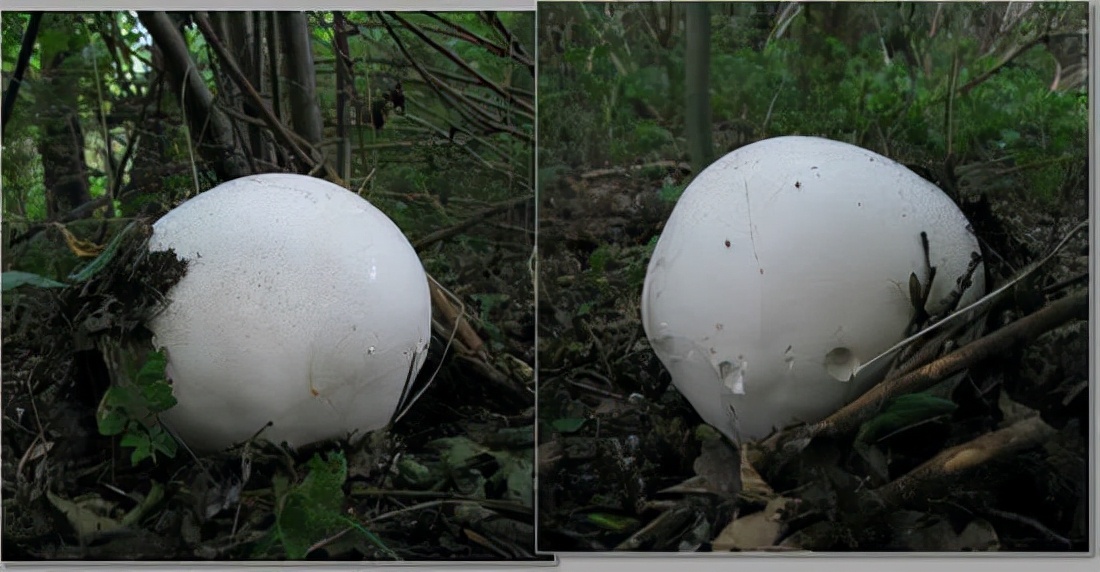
(15, 278)
(312, 509)
(568, 424)
(489, 303)
(902, 412)
(612, 522)
(130, 409)
(611, 77)
(671, 193)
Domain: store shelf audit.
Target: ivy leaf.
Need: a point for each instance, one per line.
(142, 444)
(152, 370)
(115, 409)
(158, 396)
(312, 509)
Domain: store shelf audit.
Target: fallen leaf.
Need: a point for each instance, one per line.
(756, 531)
(87, 515)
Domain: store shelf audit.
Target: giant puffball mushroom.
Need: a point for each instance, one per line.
(785, 268)
(303, 305)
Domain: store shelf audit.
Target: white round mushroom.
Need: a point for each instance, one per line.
(784, 268)
(303, 305)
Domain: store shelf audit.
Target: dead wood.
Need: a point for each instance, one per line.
(935, 477)
(849, 418)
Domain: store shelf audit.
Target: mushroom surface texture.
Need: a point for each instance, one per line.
(303, 305)
(784, 267)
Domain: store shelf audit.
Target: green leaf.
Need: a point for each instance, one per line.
(100, 262)
(163, 441)
(455, 451)
(143, 447)
(902, 412)
(517, 470)
(115, 409)
(311, 510)
(612, 522)
(15, 278)
(111, 422)
(153, 369)
(158, 396)
(568, 424)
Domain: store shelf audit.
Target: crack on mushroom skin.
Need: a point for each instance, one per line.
(752, 233)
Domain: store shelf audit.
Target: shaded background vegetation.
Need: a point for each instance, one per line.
(988, 101)
(113, 118)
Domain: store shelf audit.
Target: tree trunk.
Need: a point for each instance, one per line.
(210, 128)
(244, 40)
(697, 85)
(305, 112)
(65, 172)
(343, 75)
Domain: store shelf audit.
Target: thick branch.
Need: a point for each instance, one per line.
(938, 475)
(461, 63)
(196, 99)
(25, 50)
(849, 418)
(280, 131)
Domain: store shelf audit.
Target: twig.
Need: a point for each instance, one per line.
(461, 63)
(678, 165)
(1030, 522)
(496, 50)
(850, 417)
(1000, 65)
(596, 390)
(242, 82)
(21, 63)
(664, 526)
(938, 475)
(444, 233)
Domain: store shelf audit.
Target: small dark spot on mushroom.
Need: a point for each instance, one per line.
(718, 327)
(859, 204)
(761, 271)
(812, 168)
(797, 185)
(727, 243)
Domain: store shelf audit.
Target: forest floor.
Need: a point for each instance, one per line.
(452, 480)
(624, 463)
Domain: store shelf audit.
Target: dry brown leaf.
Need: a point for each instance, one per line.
(756, 531)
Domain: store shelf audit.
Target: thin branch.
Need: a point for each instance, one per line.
(462, 63)
(25, 50)
(474, 219)
(242, 82)
(493, 19)
(1000, 65)
(939, 475)
(475, 39)
(850, 417)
